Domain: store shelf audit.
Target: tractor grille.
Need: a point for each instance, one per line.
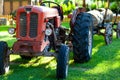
(33, 25)
(33, 20)
(23, 24)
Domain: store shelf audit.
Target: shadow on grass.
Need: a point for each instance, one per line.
(33, 69)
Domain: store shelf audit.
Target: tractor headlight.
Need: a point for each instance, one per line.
(48, 31)
(11, 30)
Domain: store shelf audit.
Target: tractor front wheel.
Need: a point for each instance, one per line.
(62, 62)
(4, 58)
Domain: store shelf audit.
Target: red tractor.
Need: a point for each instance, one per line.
(38, 31)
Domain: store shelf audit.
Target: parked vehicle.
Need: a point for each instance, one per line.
(84, 24)
(38, 31)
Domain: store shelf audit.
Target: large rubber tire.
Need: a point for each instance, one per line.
(108, 33)
(62, 62)
(118, 30)
(4, 58)
(82, 38)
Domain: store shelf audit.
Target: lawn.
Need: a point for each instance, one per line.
(104, 64)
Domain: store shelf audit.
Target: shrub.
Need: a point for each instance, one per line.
(68, 7)
(113, 7)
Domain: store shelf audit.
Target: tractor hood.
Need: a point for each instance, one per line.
(46, 11)
(31, 21)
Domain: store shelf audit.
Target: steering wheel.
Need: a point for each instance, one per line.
(49, 4)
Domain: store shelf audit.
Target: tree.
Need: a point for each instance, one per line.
(84, 3)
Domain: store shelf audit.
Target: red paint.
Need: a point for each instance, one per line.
(36, 44)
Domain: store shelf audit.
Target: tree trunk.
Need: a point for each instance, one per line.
(84, 3)
(1, 7)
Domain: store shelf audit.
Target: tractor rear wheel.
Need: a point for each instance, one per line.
(108, 33)
(4, 58)
(82, 38)
(118, 30)
(62, 62)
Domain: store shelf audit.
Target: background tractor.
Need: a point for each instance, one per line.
(84, 24)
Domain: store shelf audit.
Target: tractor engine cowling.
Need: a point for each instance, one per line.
(31, 22)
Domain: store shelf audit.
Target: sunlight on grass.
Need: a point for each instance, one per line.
(14, 57)
(71, 61)
(52, 65)
(104, 67)
(5, 36)
(115, 65)
(118, 57)
(96, 48)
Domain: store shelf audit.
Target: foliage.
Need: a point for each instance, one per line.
(57, 1)
(68, 7)
(93, 6)
(114, 6)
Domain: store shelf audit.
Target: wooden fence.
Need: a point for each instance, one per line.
(11, 5)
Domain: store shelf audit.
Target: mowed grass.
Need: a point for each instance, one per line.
(104, 64)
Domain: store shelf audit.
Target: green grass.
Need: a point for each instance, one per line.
(104, 64)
